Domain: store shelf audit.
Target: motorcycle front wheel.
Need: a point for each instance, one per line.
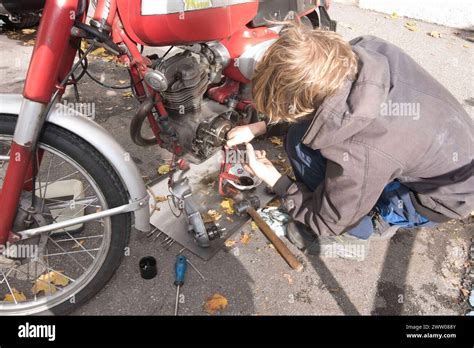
(58, 271)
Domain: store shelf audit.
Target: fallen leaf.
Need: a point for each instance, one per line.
(108, 58)
(43, 286)
(164, 169)
(228, 206)
(211, 216)
(411, 26)
(215, 303)
(28, 31)
(55, 278)
(77, 246)
(466, 46)
(159, 199)
(465, 292)
(245, 239)
(229, 219)
(127, 95)
(271, 246)
(15, 295)
(98, 51)
(276, 141)
(288, 277)
(435, 34)
(29, 43)
(122, 81)
(84, 45)
(254, 226)
(229, 243)
(394, 15)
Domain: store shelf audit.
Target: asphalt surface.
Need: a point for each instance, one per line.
(416, 272)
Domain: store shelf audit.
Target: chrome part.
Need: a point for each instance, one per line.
(103, 142)
(156, 80)
(86, 218)
(221, 54)
(29, 123)
(249, 59)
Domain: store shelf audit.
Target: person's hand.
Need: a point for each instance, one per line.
(244, 134)
(260, 166)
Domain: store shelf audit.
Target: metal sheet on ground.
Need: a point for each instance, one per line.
(203, 179)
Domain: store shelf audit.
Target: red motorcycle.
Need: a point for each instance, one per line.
(69, 191)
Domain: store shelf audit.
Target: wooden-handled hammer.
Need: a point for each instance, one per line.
(248, 206)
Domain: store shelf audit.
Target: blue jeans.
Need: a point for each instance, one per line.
(394, 205)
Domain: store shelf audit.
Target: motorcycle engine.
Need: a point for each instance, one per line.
(201, 124)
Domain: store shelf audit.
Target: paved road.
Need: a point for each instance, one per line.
(417, 272)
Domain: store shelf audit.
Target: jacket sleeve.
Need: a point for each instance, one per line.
(355, 178)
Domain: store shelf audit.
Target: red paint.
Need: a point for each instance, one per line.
(105, 12)
(188, 27)
(12, 187)
(28, 185)
(51, 44)
(222, 93)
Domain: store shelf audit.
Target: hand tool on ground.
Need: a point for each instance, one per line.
(180, 270)
(148, 268)
(248, 206)
(194, 267)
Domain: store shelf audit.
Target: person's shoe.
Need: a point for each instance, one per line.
(382, 229)
(342, 246)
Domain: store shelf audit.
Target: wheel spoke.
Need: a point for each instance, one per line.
(9, 287)
(66, 253)
(72, 252)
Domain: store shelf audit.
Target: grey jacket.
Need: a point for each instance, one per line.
(394, 122)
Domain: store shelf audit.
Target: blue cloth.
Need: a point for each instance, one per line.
(309, 166)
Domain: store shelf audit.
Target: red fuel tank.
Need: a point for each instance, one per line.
(174, 22)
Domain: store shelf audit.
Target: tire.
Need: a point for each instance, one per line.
(112, 189)
(26, 21)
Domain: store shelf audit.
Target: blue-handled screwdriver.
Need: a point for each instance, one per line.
(180, 270)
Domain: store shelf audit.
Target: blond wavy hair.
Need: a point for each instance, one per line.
(299, 70)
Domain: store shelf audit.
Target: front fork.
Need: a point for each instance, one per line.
(52, 58)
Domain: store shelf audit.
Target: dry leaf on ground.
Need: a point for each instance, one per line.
(435, 34)
(215, 303)
(254, 226)
(98, 51)
(411, 26)
(28, 31)
(55, 278)
(15, 295)
(127, 95)
(245, 239)
(228, 206)
(394, 15)
(229, 243)
(211, 216)
(164, 169)
(43, 286)
(276, 141)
